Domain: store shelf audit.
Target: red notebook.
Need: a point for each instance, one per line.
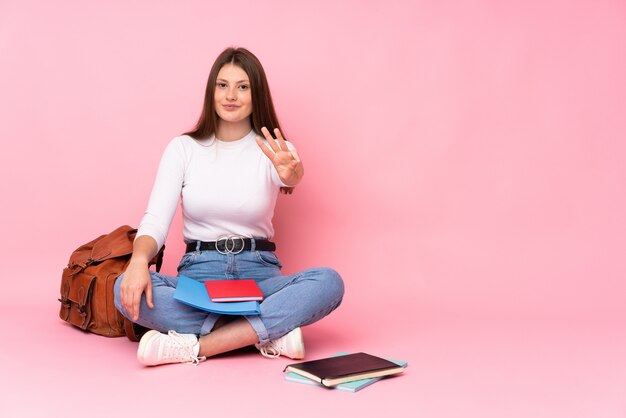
(233, 290)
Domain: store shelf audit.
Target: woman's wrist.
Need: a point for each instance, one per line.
(138, 261)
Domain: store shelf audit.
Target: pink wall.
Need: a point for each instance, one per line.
(466, 154)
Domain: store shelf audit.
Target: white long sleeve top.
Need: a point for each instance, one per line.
(227, 188)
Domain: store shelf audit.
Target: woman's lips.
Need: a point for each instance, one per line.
(230, 108)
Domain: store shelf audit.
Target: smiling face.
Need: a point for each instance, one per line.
(233, 99)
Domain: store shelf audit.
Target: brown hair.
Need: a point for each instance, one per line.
(263, 113)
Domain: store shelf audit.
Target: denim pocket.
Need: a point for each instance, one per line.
(268, 258)
(186, 260)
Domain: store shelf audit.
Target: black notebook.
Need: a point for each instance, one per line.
(332, 371)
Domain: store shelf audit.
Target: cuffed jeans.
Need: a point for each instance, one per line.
(290, 301)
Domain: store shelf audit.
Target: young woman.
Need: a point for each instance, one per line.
(228, 172)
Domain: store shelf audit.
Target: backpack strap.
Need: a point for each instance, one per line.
(159, 259)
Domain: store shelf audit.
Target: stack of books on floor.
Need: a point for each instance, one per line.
(228, 297)
(344, 371)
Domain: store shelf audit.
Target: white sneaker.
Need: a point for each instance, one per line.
(289, 345)
(156, 348)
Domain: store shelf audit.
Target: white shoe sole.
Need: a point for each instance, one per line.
(297, 350)
(144, 343)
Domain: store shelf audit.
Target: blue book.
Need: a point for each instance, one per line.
(194, 293)
(352, 386)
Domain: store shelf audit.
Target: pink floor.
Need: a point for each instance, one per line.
(457, 368)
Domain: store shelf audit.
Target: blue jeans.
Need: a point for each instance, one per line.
(290, 301)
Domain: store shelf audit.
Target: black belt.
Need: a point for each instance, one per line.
(232, 245)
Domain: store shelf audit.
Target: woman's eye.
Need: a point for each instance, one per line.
(221, 85)
(244, 87)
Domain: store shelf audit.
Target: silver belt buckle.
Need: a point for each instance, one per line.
(230, 244)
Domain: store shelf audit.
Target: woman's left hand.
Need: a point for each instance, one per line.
(287, 162)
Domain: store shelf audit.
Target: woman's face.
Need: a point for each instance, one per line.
(233, 97)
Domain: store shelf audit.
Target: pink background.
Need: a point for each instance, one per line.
(464, 173)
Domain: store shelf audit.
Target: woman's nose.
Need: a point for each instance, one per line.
(232, 94)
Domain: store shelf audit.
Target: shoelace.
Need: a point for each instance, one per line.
(183, 345)
(270, 351)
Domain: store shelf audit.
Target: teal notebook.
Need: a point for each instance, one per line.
(353, 386)
(194, 293)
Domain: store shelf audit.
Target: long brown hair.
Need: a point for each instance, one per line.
(263, 113)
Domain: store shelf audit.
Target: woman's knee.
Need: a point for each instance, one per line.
(331, 281)
(117, 293)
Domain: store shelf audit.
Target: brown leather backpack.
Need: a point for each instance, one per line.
(87, 284)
